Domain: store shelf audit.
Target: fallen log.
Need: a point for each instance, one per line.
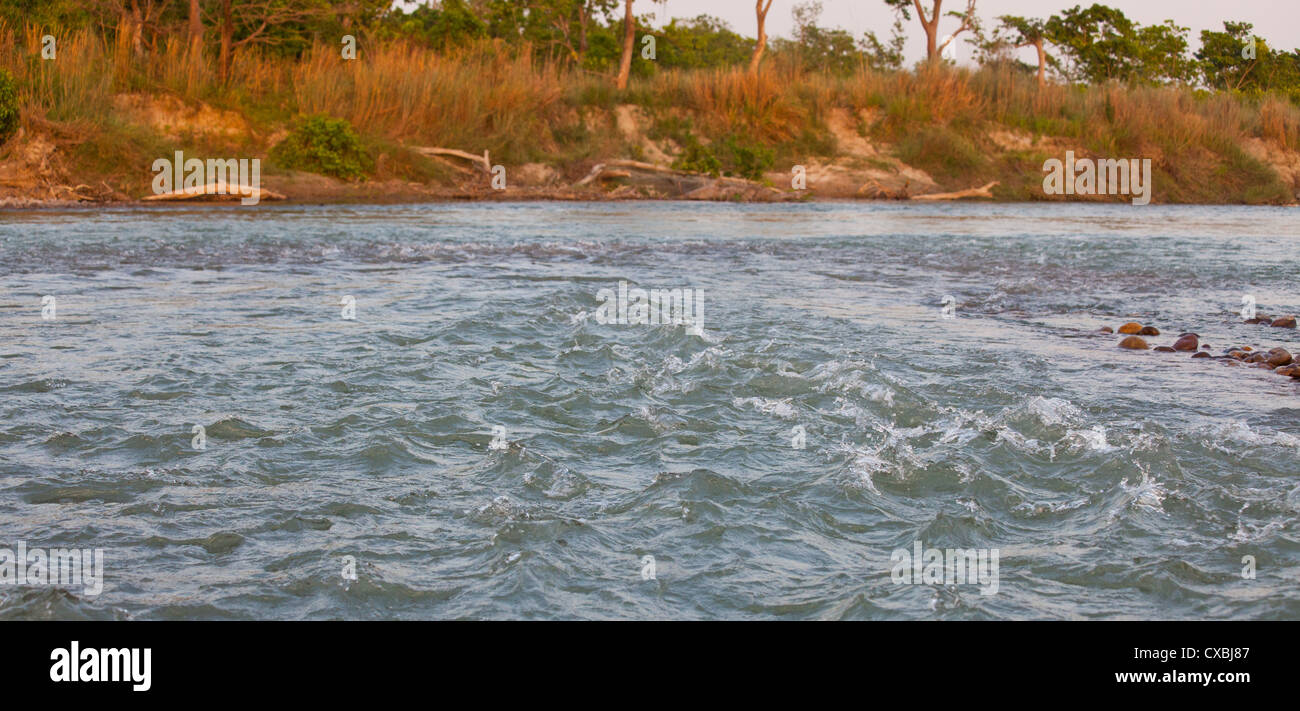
(984, 192)
(482, 161)
(218, 191)
(595, 173)
(875, 190)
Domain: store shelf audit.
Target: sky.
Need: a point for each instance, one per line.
(1278, 21)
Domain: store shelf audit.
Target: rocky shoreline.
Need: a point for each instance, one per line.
(1277, 359)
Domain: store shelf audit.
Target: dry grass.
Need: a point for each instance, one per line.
(490, 96)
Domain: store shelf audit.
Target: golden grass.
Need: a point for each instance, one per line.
(477, 98)
(500, 98)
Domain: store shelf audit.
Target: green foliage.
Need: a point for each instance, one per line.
(697, 158)
(731, 156)
(1237, 60)
(8, 106)
(45, 14)
(319, 144)
(885, 56)
(1101, 44)
(827, 49)
(450, 24)
(746, 158)
(701, 42)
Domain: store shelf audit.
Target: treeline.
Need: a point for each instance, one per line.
(1093, 45)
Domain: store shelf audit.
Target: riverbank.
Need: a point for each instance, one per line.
(94, 120)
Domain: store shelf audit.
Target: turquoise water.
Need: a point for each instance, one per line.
(481, 446)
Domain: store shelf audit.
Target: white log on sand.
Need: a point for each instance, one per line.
(219, 191)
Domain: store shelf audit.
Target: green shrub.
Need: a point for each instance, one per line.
(697, 158)
(319, 144)
(747, 159)
(8, 106)
(732, 156)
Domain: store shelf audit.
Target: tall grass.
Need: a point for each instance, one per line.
(499, 98)
(476, 98)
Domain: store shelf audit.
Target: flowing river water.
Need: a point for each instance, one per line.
(473, 442)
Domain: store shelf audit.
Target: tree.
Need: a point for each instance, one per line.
(1238, 60)
(1017, 32)
(1162, 53)
(933, 49)
(1101, 44)
(703, 41)
(760, 9)
(828, 49)
(885, 56)
(196, 26)
(138, 19)
(257, 21)
(629, 42)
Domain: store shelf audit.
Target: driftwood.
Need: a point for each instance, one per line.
(686, 182)
(219, 191)
(984, 192)
(877, 191)
(482, 161)
(595, 173)
(602, 172)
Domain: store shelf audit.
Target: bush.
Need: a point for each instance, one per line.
(697, 158)
(8, 106)
(319, 144)
(747, 159)
(731, 156)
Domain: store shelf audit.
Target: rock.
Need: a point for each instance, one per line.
(1130, 328)
(1201, 354)
(1256, 358)
(1133, 343)
(1237, 354)
(1283, 322)
(1186, 342)
(1278, 357)
(1163, 349)
(1252, 321)
(1149, 331)
(1189, 333)
(1105, 329)
(1291, 370)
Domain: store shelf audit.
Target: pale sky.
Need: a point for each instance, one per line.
(1278, 21)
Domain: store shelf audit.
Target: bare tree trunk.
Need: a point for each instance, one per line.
(582, 34)
(134, 27)
(760, 9)
(629, 42)
(1042, 62)
(196, 26)
(931, 27)
(227, 38)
